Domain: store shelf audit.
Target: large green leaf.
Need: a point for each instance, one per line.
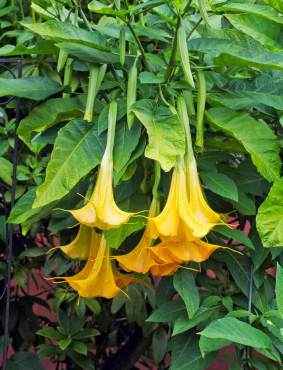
(265, 89)
(22, 213)
(34, 88)
(261, 29)
(186, 354)
(47, 115)
(77, 150)
(269, 219)
(25, 360)
(184, 283)
(91, 55)
(279, 289)
(165, 132)
(235, 234)
(63, 31)
(257, 138)
(126, 141)
(220, 184)
(237, 331)
(169, 311)
(276, 4)
(116, 236)
(6, 169)
(207, 345)
(233, 48)
(256, 9)
(42, 47)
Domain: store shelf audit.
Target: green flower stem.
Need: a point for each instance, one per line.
(157, 174)
(200, 109)
(183, 115)
(112, 117)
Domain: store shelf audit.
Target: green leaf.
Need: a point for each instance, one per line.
(184, 283)
(77, 150)
(126, 141)
(207, 345)
(64, 343)
(261, 29)
(220, 184)
(34, 88)
(279, 288)
(265, 89)
(257, 138)
(235, 234)
(6, 169)
(42, 47)
(23, 213)
(237, 331)
(34, 252)
(269, 220)
(165, 132)
(276, 4)
(255, 9)
(186, 354)
(46, 115)
(25, 360)
(169, 311)
(86, 333)
(115, 237)
(183, 324)
(63, 31)
(93, 305)
(50, 333)
(80, 347)
(100, 8)
(87, 53)
(159, 344)
(233, 48)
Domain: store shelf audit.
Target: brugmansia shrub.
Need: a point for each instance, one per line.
(149, 179)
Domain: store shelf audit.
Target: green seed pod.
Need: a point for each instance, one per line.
(62, 58)
(132, 92)
(200, 109)
(96, 75)
(68, 75)
(122, 45)
(184, 55)
(189, 99)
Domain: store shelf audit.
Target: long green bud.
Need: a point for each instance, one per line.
(96, 75)
(184, 55)
(200, 109)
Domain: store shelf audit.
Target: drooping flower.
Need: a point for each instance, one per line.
(79, 248)
(97, 279)
(178, 219)
(101, 210)
(140, 259)
(199, 206)
(184, 251)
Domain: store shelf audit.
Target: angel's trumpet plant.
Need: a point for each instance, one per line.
(79, 248)
(98, 279)
(101, 210)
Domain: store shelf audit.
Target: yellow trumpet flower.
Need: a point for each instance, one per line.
(164, 269)
(184, 251)
(97, 279)
(140, 259)
(178, 218)
(198, 203)
(79, 248)
(101, 210)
